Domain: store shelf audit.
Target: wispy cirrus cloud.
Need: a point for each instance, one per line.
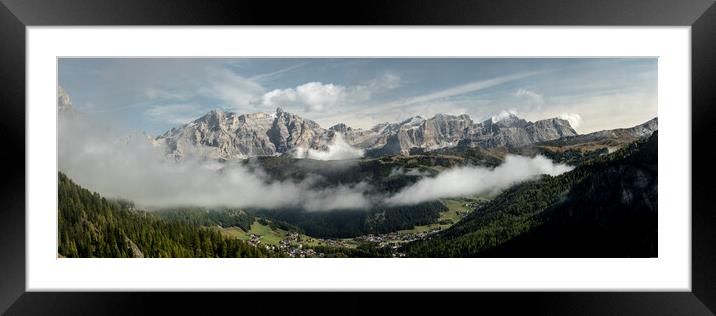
(436, 99)
(273, 74)
(465, 88)
(532, 100)
(154, 93)
(213, 86)
(231, 88)
(174, 113)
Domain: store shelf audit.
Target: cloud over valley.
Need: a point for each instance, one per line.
(135, 169)
(473, 180)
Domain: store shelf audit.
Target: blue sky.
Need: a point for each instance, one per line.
(154, 95)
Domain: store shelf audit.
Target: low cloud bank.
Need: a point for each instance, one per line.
(338, 150)
(467, 181)
(132, 168)
(414, 172)
(135, 169)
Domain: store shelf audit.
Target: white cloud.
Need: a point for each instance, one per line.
(415, 172)
(503, 115)
(312, 96)
(326, 97)
(574, 119)
(338, 150)
(470, 181)
(341, 197)
(318, 96)
(315, 96)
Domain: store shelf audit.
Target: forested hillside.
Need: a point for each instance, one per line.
(353, 223)
(211, 217)
(93, 226)
(605, 207)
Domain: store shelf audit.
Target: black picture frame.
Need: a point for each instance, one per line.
(16, 15)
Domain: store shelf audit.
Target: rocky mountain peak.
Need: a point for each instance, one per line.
(414, 119)
(647, 128)
(214, 119)
(379, 127)
(213, 115)
(64, 103)
(506, 119)
(559, 122)
(341, 128)
(225, 135)
(412, 122)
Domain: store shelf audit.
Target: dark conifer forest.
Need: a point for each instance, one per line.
(93, 226)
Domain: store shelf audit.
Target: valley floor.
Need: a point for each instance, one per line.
(293, 244)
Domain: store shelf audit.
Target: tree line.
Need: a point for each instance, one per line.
(90, 225)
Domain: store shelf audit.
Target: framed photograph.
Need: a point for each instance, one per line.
(401, 147)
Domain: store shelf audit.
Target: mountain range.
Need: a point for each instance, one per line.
(226, 135)
(223, 135)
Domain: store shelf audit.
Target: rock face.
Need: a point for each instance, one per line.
(225, 135)
(64, 103)
(622, 134)
(513, 131)
(133, 248)
(418, 132)
(67, 114)
(443, 131)
(639, 131)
